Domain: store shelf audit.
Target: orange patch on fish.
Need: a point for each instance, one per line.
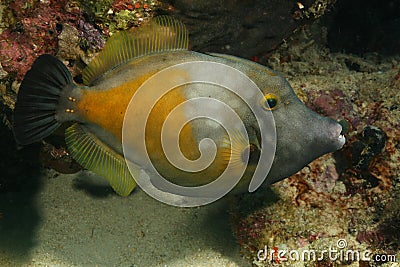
(107, 108)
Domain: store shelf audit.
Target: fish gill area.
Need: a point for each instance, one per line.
(341, 58)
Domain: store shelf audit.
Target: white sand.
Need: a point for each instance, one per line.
(63, 224)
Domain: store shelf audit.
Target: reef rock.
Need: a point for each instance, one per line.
(244, 28)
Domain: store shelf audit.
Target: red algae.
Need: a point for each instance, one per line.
(35, 32)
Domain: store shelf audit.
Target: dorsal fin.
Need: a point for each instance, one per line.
(163, 33)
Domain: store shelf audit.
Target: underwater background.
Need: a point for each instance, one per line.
(341, 57)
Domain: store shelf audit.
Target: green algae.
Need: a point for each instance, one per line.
(114, 16)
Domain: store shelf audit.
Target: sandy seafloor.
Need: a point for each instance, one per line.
(75, 220)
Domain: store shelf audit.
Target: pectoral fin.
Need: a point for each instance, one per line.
(96, 156)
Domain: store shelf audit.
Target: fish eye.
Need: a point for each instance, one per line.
(270, 102)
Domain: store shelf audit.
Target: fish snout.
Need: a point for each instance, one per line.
(335, 135)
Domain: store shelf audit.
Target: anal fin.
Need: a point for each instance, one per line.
(96, 156)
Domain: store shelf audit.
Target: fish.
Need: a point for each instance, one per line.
(97, 113)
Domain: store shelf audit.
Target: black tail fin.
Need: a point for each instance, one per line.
(38, 99)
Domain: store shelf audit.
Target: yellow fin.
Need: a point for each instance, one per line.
(237, 149)
(163, 33)
(96, 156)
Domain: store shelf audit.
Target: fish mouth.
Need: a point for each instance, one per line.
(339, 136)
(334, 137)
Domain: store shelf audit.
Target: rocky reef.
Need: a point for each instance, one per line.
(349, 200)
(346, 201)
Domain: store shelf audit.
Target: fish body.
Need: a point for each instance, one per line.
(48, 97)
